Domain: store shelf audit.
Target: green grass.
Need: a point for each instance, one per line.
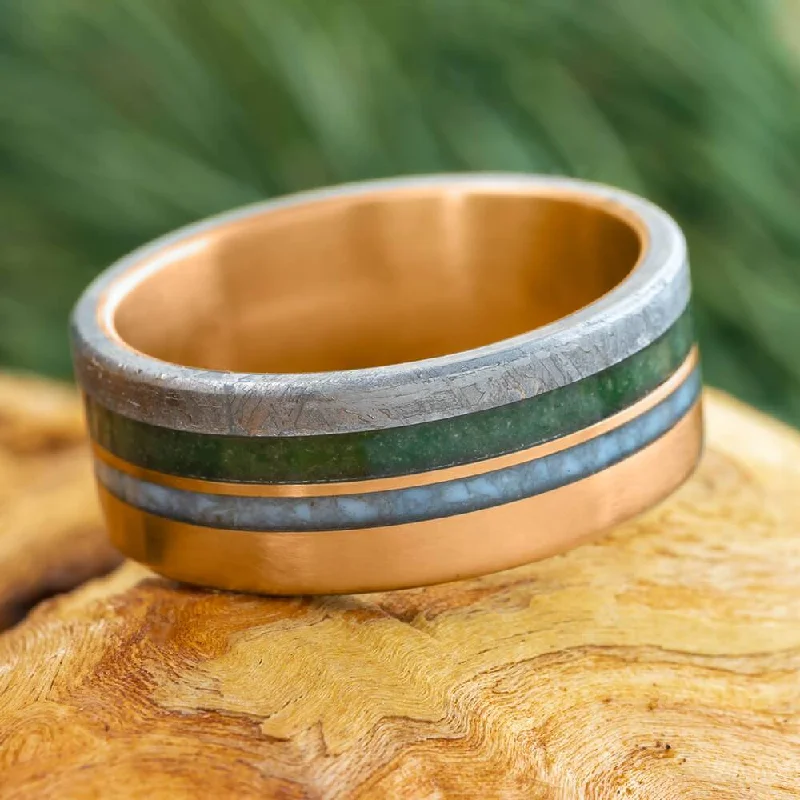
(122, 120)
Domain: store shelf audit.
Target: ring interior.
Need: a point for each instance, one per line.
(366, 280)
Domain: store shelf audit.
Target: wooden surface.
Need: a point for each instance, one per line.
(51, 535)
(660, 662)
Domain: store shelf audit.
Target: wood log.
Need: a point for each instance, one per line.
(51, 534)
(662, 661)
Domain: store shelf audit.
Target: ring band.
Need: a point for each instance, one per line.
(391, 383)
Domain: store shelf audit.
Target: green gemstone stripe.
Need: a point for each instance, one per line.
(396, 451)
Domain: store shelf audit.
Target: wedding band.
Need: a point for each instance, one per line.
(390, 384)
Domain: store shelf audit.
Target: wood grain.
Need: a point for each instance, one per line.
(660, 662)
(51, 535)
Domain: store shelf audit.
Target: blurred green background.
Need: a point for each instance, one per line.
(122, 120)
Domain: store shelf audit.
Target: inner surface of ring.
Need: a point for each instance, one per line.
(374, 279)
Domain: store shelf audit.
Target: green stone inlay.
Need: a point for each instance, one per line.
(396, 451)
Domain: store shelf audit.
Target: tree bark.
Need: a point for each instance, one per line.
(662, 661)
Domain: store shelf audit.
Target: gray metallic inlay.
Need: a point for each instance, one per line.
(415, 504)
(604, 333)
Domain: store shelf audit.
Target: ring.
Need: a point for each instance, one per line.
(390, 384)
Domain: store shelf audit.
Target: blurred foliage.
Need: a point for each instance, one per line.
(121, 120)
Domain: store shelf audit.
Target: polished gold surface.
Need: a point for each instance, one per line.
(367, 280)
(418, 478)
(412, 554)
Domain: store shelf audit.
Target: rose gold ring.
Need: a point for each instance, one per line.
(390, 384)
